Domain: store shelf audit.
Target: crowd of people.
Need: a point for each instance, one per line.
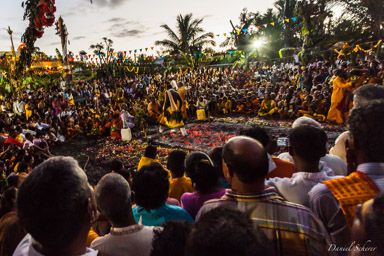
(240, 199)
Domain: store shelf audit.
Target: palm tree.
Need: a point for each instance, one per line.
(375, 9)
(97, 48)
(314, 14)
(108, 46)
(286, 10)
(241, 40)
(189, 37)
(83, 53)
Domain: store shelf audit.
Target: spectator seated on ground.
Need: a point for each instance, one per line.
(56, 206)
(151, 187)
(268, 106)
(179, 184)
(113, 197)
(148, 157)
(11, 140)
(117, 166)
(154, 109)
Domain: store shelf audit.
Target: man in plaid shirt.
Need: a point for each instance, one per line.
(289, 229)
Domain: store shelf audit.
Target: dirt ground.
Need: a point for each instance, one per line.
(76, 148)
(203, 137)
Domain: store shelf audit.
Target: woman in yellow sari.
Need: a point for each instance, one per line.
(172, 115)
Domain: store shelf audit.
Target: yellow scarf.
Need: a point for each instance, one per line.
(352, 190)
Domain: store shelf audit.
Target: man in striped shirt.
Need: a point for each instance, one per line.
(289, 229)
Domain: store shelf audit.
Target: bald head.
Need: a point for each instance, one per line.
(366, 94)
(113, 197)
(305, 121)
(246, 158)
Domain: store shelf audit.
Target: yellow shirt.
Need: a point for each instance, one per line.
(179, 186)
(146, 161)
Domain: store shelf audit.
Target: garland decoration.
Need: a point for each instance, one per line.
(54, 71)
(40, 14)
(133, 68)
(356, 49)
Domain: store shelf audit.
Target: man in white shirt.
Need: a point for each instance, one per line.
(16, 107)
(338, 166)
(113, 196)
(21, 107)
(307, 145)
(56, 206)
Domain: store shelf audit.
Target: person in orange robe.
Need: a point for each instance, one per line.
(339, 84)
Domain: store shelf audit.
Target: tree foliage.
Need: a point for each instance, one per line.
(317, 27)
(188, 37)
(369, 14)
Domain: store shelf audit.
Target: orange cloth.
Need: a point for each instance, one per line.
(183, 95)
(92, 235)
(351, 191)
(339, 84)
(284, 169)
(179, 186)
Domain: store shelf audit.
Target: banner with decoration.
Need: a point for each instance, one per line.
(144, 50)
(357, 48)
